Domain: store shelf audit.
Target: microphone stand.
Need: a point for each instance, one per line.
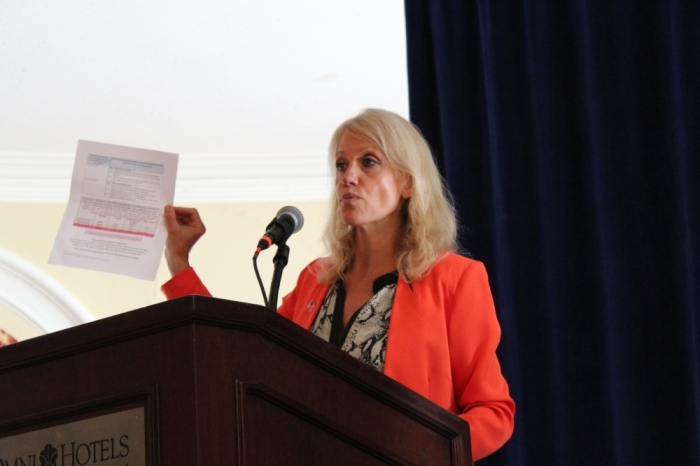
(280, 261)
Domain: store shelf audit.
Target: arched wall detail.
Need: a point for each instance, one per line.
(38, 298)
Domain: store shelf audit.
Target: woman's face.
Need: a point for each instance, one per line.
(370, 190)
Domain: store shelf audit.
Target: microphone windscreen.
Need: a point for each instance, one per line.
(295, 214)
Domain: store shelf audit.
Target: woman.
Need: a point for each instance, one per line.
(392, 291)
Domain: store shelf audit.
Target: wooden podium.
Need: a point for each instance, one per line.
(213, 382)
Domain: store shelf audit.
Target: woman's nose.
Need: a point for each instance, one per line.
(349, 176)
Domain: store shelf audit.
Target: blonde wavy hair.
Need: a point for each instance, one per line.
(429, 224)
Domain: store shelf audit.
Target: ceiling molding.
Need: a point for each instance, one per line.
(202, 178)
(36, 297)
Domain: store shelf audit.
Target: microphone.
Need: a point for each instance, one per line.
(288, 221)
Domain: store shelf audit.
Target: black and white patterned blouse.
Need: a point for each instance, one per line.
(366, 333)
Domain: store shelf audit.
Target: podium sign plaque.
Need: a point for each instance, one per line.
(113, 439)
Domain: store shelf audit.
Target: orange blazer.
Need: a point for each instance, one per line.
(442, 341)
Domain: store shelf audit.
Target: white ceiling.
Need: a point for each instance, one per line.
(202, 79)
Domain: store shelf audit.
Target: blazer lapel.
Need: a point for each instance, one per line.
(403, 362)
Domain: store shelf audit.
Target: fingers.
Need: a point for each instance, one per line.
(184, 228)
(170, 218)
(186, 215)
(183, 216)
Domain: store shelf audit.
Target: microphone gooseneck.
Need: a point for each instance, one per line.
(288, 221)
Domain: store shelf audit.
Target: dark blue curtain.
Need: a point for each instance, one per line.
(569, 133)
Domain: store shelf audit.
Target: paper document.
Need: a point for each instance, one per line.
(114, 219)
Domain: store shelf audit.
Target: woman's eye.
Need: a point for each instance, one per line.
(339, 166)
(369, 162)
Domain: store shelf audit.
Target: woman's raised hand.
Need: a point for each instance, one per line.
(184, 229)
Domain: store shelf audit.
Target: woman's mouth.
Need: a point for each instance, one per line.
(349, 197)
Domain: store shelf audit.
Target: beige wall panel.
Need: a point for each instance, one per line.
(15, 325)
(222, 257)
